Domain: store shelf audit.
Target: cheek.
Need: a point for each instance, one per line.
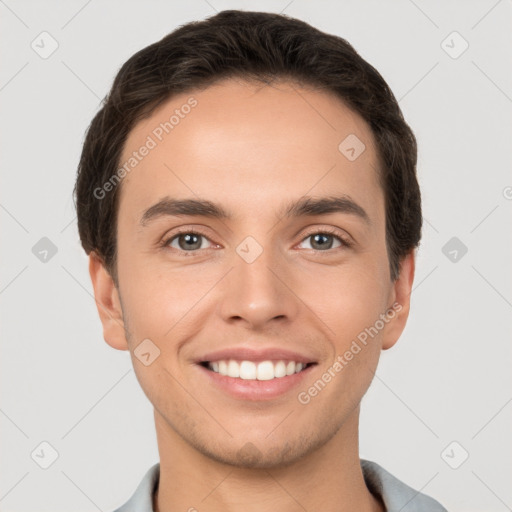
(164, 304)
(349, 300)
(350, 303)
(352, 310)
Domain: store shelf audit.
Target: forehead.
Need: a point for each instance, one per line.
(237, 137)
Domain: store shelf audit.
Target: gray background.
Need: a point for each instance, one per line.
(448, 378)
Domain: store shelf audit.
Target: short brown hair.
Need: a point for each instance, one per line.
(255, 46)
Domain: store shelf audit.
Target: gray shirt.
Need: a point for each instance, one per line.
(396, 496)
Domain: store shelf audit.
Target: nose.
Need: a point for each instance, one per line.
(260, 293)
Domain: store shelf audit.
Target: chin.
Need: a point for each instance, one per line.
(261, 453)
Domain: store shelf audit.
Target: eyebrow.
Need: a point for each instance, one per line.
(303, 207)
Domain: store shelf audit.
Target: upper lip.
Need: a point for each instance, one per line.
(256, 354)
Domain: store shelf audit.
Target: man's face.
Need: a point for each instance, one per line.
(281, 287)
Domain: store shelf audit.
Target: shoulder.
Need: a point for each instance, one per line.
(396, 495)
(142, 499)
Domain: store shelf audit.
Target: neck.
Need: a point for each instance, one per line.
(328, 479)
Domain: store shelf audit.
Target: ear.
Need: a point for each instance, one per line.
(108, 303)
(400, 302)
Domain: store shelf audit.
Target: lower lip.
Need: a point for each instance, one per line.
(256, 389)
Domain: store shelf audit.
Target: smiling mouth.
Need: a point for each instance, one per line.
(250, 370)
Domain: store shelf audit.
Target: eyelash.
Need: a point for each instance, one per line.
(346, 243)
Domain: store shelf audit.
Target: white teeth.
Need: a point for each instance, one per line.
(248, 370)
(280, 369)
(265, 371)
(233, 369)
(223, 367)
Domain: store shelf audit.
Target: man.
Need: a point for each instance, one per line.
(248, 198)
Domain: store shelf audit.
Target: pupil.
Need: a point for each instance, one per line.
(320, 239)
(191, 241)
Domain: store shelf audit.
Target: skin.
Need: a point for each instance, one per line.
(253, 148)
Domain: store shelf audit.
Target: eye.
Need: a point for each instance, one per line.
(187, 241)
(325, 240)
(192, 241)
